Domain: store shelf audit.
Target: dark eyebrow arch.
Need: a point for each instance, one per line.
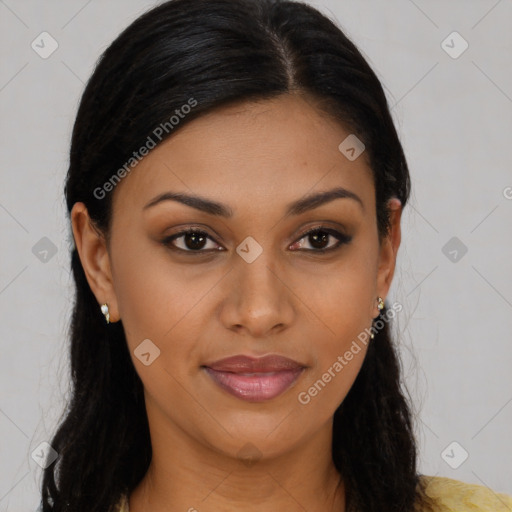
(302, 205)
(197, 202)
(312, 201)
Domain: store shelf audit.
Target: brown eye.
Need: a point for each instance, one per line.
(193, 241)
(319, 239)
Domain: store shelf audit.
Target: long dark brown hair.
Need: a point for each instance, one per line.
(219, 52)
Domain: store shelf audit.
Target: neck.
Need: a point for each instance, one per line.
(185, 475)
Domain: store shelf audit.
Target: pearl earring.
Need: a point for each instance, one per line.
(380, 306)
(104, 310)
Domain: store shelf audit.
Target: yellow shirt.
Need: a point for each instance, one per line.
(452, 496)
(457, 496)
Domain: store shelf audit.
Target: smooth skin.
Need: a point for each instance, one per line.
(256, 159)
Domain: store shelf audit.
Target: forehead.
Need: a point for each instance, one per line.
(282, 148)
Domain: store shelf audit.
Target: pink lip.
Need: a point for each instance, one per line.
(255, 379)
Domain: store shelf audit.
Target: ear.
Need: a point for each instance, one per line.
(389, 249)
(92, 249)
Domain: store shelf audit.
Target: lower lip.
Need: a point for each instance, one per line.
(256, 387)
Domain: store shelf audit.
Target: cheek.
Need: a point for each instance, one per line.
(341, 296)
(138, 293)
(321, 394)
(330, 379)
(341, 303)
(161, 302)
(147, 292)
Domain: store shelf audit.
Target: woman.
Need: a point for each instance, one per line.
(235, 191)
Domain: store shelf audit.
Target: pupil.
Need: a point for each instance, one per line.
(197, 240)
(319, 238)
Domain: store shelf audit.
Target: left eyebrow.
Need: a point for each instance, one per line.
(312, 201)
(302, 205)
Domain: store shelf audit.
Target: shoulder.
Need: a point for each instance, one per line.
(452, 495)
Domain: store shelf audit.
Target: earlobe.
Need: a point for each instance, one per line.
(92, 250)
(389, 248)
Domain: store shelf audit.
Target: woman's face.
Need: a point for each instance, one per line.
(252, 283)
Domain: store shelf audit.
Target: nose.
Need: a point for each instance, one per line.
(259, 300)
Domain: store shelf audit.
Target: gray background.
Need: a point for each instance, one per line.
(454, 116)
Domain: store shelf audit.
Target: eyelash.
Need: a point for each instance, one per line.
(342, 240)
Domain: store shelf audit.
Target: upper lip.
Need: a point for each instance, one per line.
(248, 364)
